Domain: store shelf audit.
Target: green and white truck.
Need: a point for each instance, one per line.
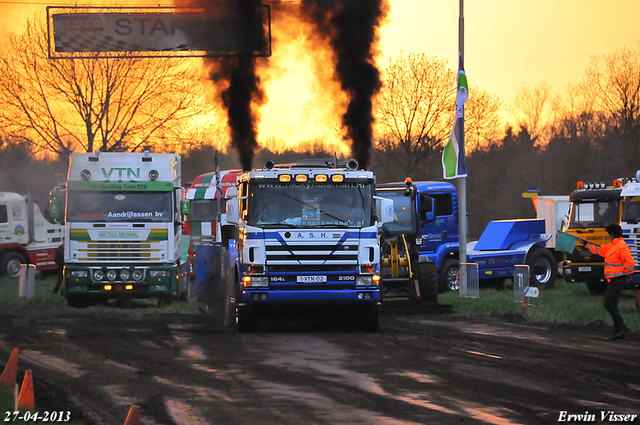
(123, 228)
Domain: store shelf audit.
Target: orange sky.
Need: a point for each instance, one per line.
(507, 44)
(511, 43)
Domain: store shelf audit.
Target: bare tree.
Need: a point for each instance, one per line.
(535, 110)
(483, 125)
(613, 82)
(66, 105)
(415, 111)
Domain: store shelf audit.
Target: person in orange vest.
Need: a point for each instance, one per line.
(618, 267)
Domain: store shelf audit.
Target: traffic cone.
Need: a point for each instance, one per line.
(10, 373)
(133, 418)
(25, 401)
(524, 307)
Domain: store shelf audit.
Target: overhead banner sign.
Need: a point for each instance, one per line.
(152, 32)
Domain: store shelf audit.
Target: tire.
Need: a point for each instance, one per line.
(448, 275)
(247, 321)
(369, 322)
(428, 282)
(596, 287)
(10, 264)
(543, 268)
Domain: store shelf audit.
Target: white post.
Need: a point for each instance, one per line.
(27, 280)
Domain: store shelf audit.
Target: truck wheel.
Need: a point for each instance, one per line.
(11, 262)
(448, 275)
(428, 282)
(370, 320)
(247, 321)
(543, 268)
(596, 287)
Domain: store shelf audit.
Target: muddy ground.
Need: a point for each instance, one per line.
(420, 368)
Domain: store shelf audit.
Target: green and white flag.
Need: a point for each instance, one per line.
(454, 164)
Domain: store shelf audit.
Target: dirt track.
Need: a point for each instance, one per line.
(419, 369)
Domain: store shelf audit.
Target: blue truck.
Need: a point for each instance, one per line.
(433, 208)
(307, 238)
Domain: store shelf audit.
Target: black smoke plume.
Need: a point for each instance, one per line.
(236, 76)
(351, 26)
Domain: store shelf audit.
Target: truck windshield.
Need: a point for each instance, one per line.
(593, 214)
(631, 212)
(119, 206)
(310, 205)
(403, 212)
(205, 209)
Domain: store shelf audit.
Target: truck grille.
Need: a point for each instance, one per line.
(131, 251)
(316, 255)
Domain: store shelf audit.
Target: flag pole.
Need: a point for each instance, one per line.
(462, 182)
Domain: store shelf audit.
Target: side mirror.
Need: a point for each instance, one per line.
(232, 192)
(55, 204)
(233, 211)
(384, 209)
(185, 208)
(54, 209)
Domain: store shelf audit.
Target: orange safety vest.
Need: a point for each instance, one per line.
(617, 258)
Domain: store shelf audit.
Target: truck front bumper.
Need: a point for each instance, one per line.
(266, 297)
(582, 272)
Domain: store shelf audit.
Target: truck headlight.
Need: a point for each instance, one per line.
(124, 274)
(79, 273)
(111, 275)
(261, 281)
(137, 275)
(158, 273)
(98, 275)
(364, 281)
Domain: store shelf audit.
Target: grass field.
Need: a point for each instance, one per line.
(565, 303)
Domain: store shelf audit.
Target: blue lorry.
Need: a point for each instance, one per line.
(434, 208)
(307, 238)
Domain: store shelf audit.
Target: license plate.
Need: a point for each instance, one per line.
(312, 279)
(584, 269)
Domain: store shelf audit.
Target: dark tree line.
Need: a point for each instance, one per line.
(497, 177)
